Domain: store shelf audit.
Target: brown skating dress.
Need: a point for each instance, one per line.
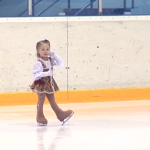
(45, 84)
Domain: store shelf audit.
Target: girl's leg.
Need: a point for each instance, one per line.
(63, 116)
(41, 120)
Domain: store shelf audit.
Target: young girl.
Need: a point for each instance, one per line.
(44, 84)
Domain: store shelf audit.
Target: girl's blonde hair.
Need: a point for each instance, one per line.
(38, 44)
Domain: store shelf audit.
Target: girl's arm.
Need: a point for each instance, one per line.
(38, 71)
(56, 60)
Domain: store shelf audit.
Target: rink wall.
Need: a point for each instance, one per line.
(106, 58)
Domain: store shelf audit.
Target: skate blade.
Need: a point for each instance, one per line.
(41, 124)
(67, 119)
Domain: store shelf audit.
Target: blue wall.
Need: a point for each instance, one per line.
(13, 8)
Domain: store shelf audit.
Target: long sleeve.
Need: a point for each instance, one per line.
(38, 71)
(56, 60)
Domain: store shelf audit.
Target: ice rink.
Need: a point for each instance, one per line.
(94, 126)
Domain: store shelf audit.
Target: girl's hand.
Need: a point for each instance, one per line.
(51, 54)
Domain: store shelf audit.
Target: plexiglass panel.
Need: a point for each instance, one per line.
(19, 51)
(47, 8)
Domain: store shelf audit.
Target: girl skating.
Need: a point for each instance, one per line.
(44, 84)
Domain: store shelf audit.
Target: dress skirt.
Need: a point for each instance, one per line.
(45, 85)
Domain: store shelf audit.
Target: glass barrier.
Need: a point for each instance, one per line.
(45, 8)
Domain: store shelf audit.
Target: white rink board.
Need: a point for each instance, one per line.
(102, 52)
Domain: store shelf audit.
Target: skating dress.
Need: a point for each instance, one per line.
(43, 74)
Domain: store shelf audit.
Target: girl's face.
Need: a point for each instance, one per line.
(44, 50)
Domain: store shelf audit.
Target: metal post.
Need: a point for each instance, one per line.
(132, 3)
(124, 3)
(100, 7)
(91, 1)
(30, 7)
(69, 6)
